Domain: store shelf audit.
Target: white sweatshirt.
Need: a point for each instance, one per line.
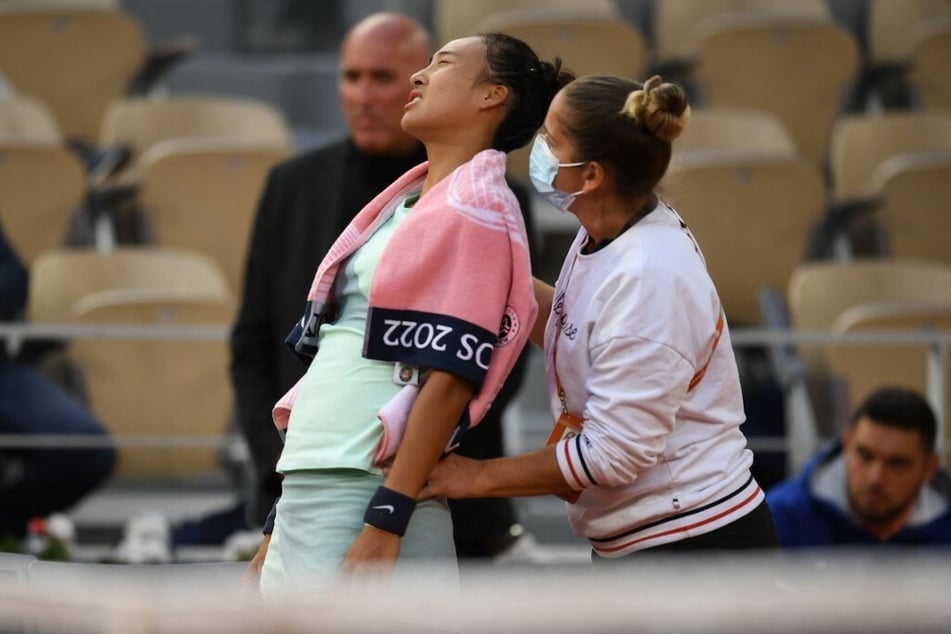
(657, 462)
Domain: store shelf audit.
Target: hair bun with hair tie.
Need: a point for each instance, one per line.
(652, 83)
(634, 104)
(658, 108)
(638, 101)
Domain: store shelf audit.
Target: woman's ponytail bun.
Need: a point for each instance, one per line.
(661, 108)
(532, 85)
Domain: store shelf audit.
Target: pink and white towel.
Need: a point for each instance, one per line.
(452, 290)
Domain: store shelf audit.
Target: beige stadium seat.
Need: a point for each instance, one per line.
(819, 292)
(202, 195)
(678, 24)
(915, 190)
(802, 70)
(588, 45)
(751, 215)
(742, 130)
(859, 146)
(41, 187)
(24, 118)
(894, 27)
(75, 59)
(453, 19)
(171, 388)
(861, 143)
(140, 123)
(930, 71)
(858, 369)
(56, 286)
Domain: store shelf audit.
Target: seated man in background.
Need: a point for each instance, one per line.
(38, 481)
(880, 484)
(308, 201)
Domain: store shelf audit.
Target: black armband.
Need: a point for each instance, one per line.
(389, 511)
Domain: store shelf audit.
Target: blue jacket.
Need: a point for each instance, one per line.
(805, 519)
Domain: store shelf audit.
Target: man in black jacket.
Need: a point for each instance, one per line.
(307, 202)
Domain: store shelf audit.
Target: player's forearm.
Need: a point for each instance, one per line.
(431, 422)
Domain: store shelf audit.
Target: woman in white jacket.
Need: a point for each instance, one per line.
(643, 384)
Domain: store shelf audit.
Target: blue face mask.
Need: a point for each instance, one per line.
(542, 168)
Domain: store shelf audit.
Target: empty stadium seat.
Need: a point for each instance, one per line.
(800, 69)
(820, 292)
(861, 143)
(858, 369)
(144, 389)
(742, 130)
(894, 29)
(460, 18)
(929, 73)
(76, 59)
(27, 119)
(859, 146)
(894, 26)
(138, 123)
(751, 216)
(679, 25)
(588, 45)
(202, 195)
(914, 191)
(41, 186)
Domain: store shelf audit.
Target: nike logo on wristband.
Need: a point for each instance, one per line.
(389, 508)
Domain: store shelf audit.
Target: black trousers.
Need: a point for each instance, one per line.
(755, 531)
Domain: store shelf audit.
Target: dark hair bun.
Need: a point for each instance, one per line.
(555, 77)
(532, 85)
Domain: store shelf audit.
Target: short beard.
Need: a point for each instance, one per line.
(881, 518)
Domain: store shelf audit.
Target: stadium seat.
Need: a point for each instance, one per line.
(133, 125)
(145, 388)
(136, 123)
(894, 28)
(202, 195)
(819, 292)
(459, 18)
(679, 25)
(588, 44)
(859, 146)
(929, 74)
(742, 130)
(41, 186)
(914, 191)
(751, 215)
(858, 369)
(861, 143)
(75, 59)
(24, 118)
(800, 69)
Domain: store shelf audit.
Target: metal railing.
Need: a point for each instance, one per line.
(936, 342)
